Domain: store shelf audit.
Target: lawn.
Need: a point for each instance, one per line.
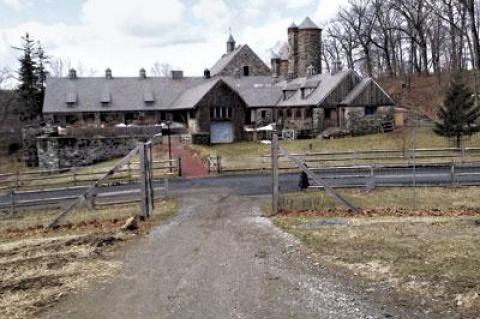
(399, 140)
(426, 198)
(39, 267)
(432, 260)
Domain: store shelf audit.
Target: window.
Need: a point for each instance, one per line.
(221, 113)
(370, 110)
(298, 114)
(264, 115)
(289, 113)
(328, 114)
(246, 70)
(308, 113)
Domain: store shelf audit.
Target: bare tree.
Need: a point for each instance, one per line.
(60, 66)
(161, 69)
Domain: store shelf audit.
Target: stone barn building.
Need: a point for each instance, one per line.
(234, 100)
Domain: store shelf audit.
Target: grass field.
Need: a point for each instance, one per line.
(401, 139)
(426, 198)
(429, 253)
(433, 260)
(39, 267)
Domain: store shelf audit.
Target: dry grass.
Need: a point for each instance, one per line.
(425, 198)
(39, 267)
(434, 259)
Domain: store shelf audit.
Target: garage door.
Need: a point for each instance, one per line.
(221, 132)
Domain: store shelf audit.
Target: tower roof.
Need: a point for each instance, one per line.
(293, 26)
(231, 39)
(308, 24)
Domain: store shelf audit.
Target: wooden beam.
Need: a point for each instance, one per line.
(91, 189)
(275, 182)
(318, 181)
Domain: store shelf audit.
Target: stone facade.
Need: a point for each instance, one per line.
(246, 57)
(29, 139)
(64, 152)
(293, 51)
(309, 51)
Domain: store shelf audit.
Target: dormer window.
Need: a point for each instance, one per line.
(72, 97)
(148, 97)
(288, 94)
(106, 97)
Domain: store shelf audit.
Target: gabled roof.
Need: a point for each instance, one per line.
(362, 88)
(225, 61)
(228, 58)
(257, 91)
(191, 97)
(326, 84)
(125, 94)
(64, 95)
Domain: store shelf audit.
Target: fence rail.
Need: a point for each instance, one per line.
(256, 163)
(73, 177)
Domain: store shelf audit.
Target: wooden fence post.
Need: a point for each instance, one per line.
(151, 194)
(17, 180)
(275, 184)
(452, 174)
(129, 167)
(179, 163)
(12, 202)
(74, 176)
(143, 182)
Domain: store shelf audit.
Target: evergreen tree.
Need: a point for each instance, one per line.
(30, 80)
(41, 60)
(459, 115)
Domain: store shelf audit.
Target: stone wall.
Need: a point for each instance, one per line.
(309, 51)
(29, 141)
(246, 57)
(63, 152)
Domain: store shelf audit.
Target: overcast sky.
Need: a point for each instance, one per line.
(126, 35)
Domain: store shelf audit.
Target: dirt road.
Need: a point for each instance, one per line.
(219, 259)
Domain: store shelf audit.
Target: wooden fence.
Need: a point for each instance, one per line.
(73, 177)
(258, 163)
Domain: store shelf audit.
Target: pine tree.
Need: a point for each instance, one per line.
(28, 76)
(459, 115)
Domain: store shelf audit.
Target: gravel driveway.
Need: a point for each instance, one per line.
(219, 259)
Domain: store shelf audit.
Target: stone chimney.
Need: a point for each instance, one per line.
(108, 74)
(206, 74)
(72, 74)
(276, 63)
(177, 75)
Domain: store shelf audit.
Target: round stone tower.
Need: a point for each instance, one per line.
(293, 51)
(309, 47)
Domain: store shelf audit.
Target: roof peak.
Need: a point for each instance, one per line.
(231, 39)
(308, 24)
(293, 26)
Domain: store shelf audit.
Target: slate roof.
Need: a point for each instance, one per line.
(308, 24)
(360, 88)
(126, 94)
(326, 84)
(257, 91)
(64, 95)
